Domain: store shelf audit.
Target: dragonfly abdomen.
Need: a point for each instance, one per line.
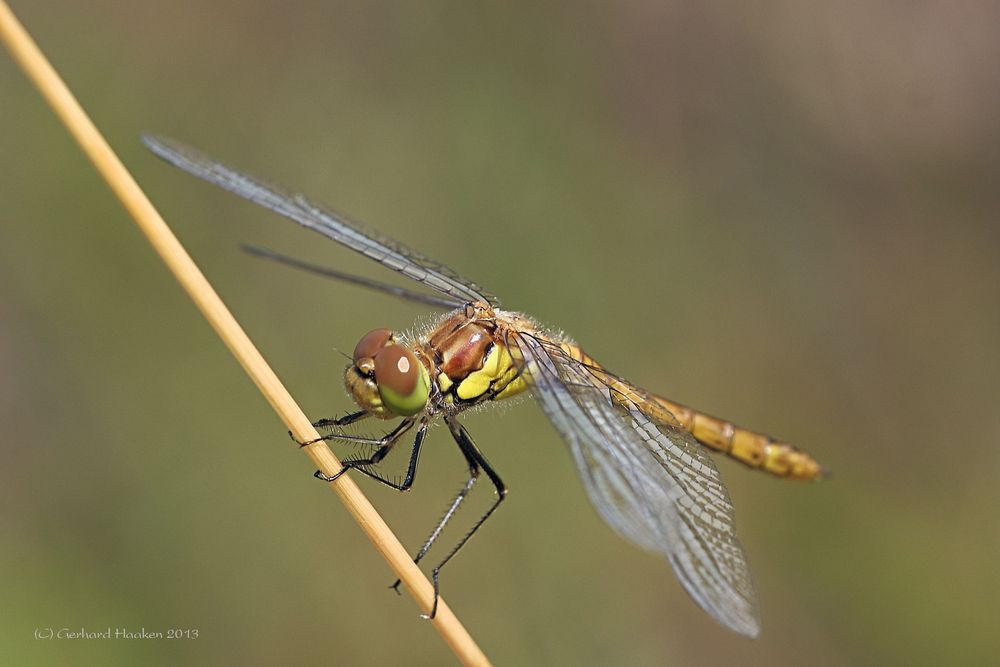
(752, 449)
(755, 450)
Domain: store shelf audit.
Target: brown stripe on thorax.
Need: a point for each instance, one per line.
(460, 345)
(472, 363)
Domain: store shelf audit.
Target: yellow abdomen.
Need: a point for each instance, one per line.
(755, 450)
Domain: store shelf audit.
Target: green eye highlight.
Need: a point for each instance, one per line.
(402, 380)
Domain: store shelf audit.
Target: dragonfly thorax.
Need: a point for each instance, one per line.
(386, 378)
(472, 360)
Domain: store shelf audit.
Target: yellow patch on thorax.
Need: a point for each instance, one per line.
(499, 373)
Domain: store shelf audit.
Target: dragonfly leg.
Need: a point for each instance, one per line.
(450, 512)
(477, 462)
(334, 422)
(388, 442)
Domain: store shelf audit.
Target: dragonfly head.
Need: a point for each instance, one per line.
(386, 378)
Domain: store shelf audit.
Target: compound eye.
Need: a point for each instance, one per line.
(370, 344)
(401, 379)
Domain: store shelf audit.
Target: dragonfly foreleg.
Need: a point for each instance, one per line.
(388, 438)
(335, 422)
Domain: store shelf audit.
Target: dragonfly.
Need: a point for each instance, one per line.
(645, 461)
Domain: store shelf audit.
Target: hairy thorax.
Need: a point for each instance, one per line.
(472, 360)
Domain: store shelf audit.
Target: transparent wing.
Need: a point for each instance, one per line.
(296, 207)
(651, 482)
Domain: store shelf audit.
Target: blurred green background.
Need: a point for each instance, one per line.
(785, 215)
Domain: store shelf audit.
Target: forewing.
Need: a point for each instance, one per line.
(297, 207)
(651, 482)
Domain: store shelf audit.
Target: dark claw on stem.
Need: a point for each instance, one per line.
(319, 474)
(300, 443)
(307, 442)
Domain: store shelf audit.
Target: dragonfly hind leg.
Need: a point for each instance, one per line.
(477, 463)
